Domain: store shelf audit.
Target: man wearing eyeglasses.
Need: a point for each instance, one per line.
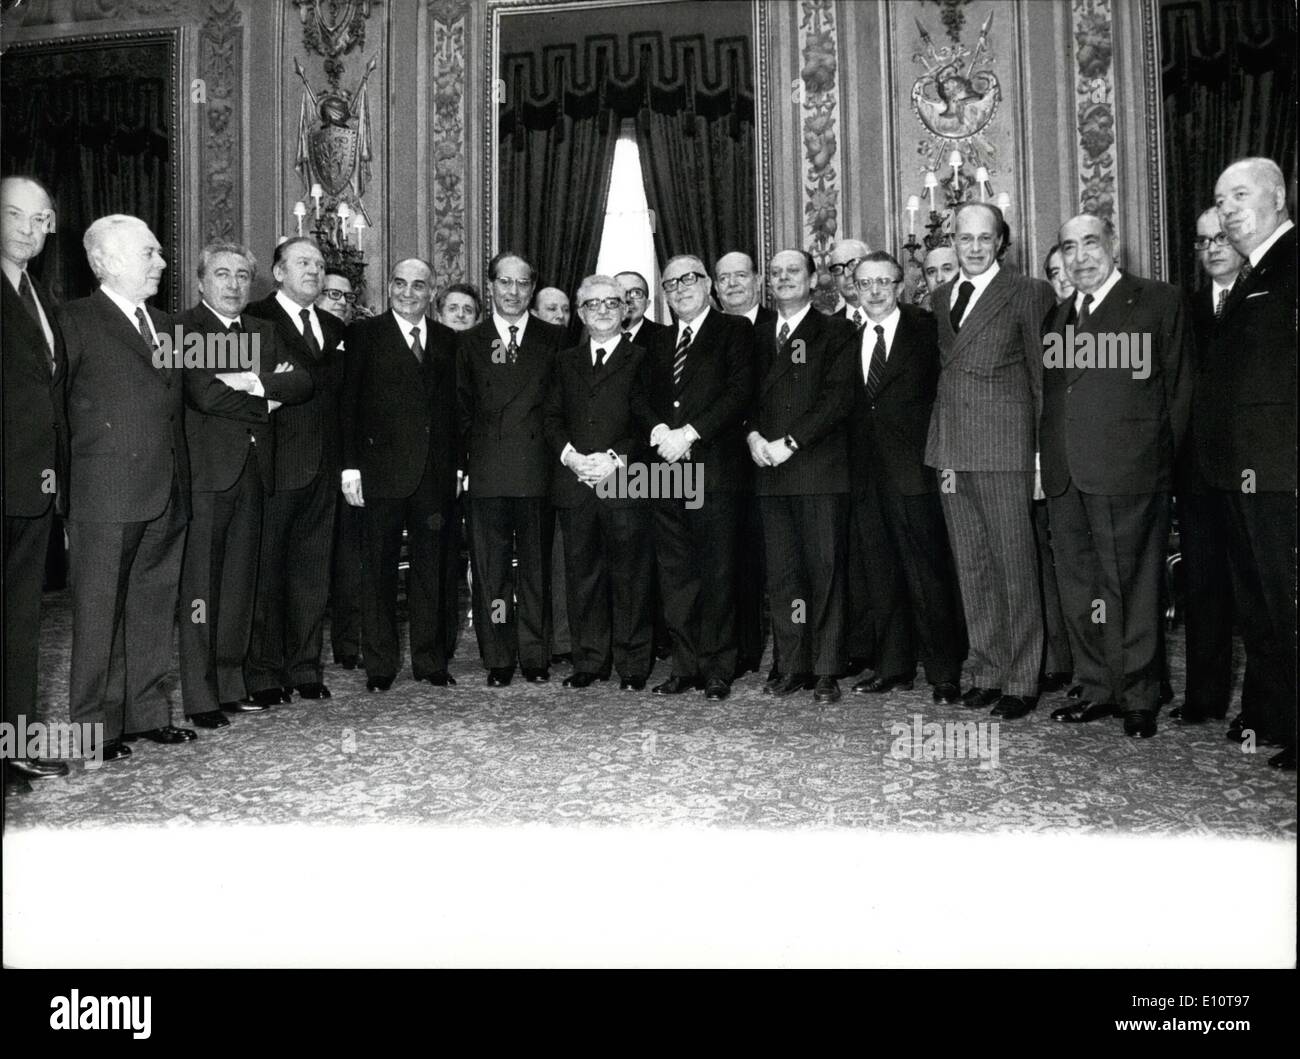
(700, 382)
(897, 521)
(845, 255)
(504, 369)
(1245, 423)
(399, 456)
(337, 297)
(35, 442)
(636, 292)
(982, 441)
(798, 440)
(596, 420)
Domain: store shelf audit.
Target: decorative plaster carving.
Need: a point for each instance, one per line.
(220, 40)
(448, 146)
(1095, 106)
(817, 93)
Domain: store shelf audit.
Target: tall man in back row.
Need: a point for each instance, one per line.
(982, 441)
(503, 371)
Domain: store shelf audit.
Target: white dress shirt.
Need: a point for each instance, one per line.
(503, 327)
(979, 282)
(1263, 248)
(294, 310)
(128, 310)
(890, 324)
(1098, 295)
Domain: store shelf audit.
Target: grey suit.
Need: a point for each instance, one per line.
(982, 440)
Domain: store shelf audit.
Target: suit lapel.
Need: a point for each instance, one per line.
(1260, 275)
(698, 349)
(986, 309)
(894, 362)
(617, 360)
(807, 331)
(1109, 319)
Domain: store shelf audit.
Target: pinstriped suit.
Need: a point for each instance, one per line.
(984, 428)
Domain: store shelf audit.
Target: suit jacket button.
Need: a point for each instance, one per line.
(677, 404)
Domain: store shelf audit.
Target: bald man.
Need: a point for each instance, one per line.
(552, 305)
(1245, 425)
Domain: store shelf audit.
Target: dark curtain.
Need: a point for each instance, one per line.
(93, 126)
(699, 181)
(554, 185)
(1229, 84)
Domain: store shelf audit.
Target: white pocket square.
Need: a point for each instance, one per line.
(1257, 294)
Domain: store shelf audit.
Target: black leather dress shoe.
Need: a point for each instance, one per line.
(168, 735)
(314, 690)
(632, 684)
(1139, 724)
(1075, 692)
(32, 768)
(946, 691)
(255, 703)
(1284, 759)
(537, 676)
(378, 683)
(874, 685)
(716, 689)
(795, 682)
(347, 661)
(114, 749)
(1085, 712)
(1237, 730)
(580, 680)
(500, 677)
(440, 679)
(1010, 707)
(286, 694)
(210, 719)
(979, 698)
(1053, 682)
(675, 685)
(826, 690)
(772, 682)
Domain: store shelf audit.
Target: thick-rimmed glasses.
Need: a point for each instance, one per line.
(876, 283)
(838, 268)
(334, 295)
(592, 304)
(1204, 242)
(686, 279)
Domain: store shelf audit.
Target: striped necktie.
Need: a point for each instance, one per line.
(679, 359)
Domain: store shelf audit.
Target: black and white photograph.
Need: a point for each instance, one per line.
(650, 484)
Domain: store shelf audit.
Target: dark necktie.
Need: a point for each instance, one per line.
(679, 359)
(627, 336)
(143, 325)
(1244, 274)
(309, 334)
(599, 362)
(236, 327)
(512, 350)
(857, 319)
(964, 292)
(782, 337)
(877, 370)
(1218, 305)
(28, 297)
(416, 347)
(1086, 311)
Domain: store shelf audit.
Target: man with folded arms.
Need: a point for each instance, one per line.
(595, 420)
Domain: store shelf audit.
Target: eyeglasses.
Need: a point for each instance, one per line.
(1202, 242)
(513, 284)
(592, 304)
(636, 292)
(687, 279)
(41, 221)
(840, 267)
(876, 283)
(334, 294)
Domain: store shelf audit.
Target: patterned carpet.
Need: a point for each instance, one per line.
(531, 754)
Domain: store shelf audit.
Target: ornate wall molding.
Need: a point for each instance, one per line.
(817, 91)
(220, 47)
(1095, 106)
(447, 142)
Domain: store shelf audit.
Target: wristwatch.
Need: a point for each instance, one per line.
(790, 443)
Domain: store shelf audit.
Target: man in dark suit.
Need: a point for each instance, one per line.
(845, 255)
(35, 442)
(503, 371)
(798, 440)
(128, 492)
(399, 457)
(596, 419)
(1245, 423)
(896, 516)
(1203, 512)
(982, 442)
(1116, 398)
(700, 381)
(736, 283)
(231, 441)
(636, 293)
(298, 519)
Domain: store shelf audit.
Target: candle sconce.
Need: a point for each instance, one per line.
(343, 249)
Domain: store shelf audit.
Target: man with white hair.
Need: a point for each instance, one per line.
(128, 492)
(1244, 419)
(845, 255)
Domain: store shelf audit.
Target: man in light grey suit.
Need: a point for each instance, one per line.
(983, 442)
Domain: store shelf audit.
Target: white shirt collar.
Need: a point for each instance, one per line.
(128, 310)
(294, 309)
(503, 327)
(608, 345)
(694, 325)
(1099, 295)
(978, 282)
(1257, 254)
(405, 326)
(889, 323)
(11, 270)
(1216, 287)
(226, 321)
(751, 314)
(794, 321)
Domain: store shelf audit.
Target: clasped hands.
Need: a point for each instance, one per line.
(590, 468)
(767, 453)
(248, 382)
(673, 445)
